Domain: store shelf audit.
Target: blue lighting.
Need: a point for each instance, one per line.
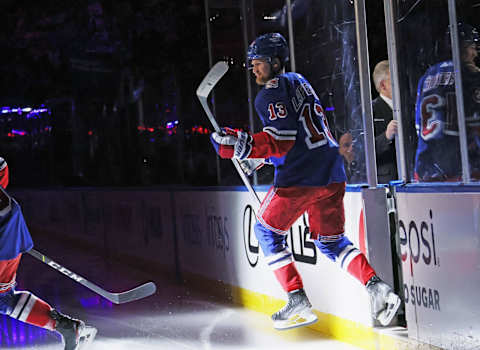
(171, 125)
(20, 110)
(19, 132)
(14, 333)
(96, 302)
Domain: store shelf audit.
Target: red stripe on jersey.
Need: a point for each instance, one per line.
(40, 315)
(289, 277)
(361, 269)
(4, 177)
(265, 146)
(8, 270)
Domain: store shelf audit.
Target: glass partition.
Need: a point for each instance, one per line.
(326, 54)
(234, 25)
(264, 16)
(229, 96)
(468, 26)
(427, 76)
(143, 107)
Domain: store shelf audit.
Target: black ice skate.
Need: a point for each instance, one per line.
(75, 334)
(296, 313)
(384, 302)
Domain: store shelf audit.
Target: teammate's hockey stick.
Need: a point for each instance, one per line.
(139, 292)
(206, 86)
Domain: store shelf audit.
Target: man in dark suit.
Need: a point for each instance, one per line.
(385, 127)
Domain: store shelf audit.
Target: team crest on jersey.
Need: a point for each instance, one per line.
(272, 84)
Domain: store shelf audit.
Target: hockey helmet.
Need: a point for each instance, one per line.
(268, 46)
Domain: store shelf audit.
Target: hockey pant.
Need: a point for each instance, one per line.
(324, 205)
(21, 305)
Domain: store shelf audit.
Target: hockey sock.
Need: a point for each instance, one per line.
(289, 277)
(30, 309)
(360, 268)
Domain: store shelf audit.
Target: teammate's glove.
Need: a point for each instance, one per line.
(232, 144)
(250, 165)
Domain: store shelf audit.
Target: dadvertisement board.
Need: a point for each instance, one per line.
(216, 240)
(440, 249)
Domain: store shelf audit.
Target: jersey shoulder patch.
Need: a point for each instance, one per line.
(272, 84)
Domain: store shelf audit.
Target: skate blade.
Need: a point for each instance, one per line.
(386, 316)
(301, 319)
(86, 337)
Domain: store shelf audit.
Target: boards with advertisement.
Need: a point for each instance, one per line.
(440, 252)
(216, 240)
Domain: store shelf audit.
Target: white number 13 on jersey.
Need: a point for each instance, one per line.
(315, 138)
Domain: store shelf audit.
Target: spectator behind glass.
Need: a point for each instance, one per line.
(438, 151)
(385, 127)
(345, 144)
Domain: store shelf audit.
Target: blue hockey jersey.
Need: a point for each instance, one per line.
(438, 150)
(14, 235)
(293, 116)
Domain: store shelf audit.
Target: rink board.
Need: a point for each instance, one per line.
(440, 249)
(208, 233)
(134, 226)
(216, 240)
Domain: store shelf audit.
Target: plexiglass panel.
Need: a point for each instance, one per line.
(427, 83)
(264, 16)
(230, 94)
(326, 54)
(468, 26)
(241, 22)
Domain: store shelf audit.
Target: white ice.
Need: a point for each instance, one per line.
(176, 317)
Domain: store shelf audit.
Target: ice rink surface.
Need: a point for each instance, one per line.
(173, 318)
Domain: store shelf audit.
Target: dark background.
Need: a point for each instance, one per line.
(86, 63)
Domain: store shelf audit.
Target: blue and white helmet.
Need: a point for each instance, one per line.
(268, 46)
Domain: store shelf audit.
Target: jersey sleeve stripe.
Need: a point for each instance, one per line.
(265, 145)
(281, 135)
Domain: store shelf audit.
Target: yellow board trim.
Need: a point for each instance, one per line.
(329, 325)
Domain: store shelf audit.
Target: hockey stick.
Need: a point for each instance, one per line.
(206, 86)
(137, 293)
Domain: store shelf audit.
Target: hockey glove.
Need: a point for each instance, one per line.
(249, 166)
(243, 146)
(232, 144)
(224, 142)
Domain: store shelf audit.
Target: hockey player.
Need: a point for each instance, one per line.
(15, 239)
(437, 157)
(309, 176)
